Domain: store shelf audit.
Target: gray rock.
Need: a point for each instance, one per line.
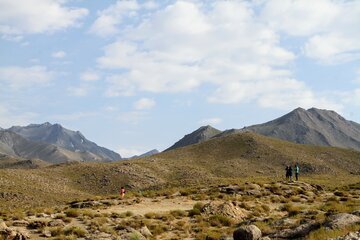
(250, 232)
(357, 213)
(298, 232)
(145, 231)
(20, 223)
(56, 223)
(342, 220)
(46, 233)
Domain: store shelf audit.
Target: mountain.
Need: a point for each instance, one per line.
(14, 145)
(200, 135)
(233, 158)
(57, 135)
(312, 126)
(149, 153)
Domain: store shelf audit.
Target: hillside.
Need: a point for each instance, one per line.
(71, 140)
(313, 126)
(231, 158)
(200, 135)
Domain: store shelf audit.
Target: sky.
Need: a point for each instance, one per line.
(136, 75)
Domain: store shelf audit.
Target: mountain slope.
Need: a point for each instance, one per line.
(313, 126)
(57, 135)
(200, 135)
(14, 145)
(231, 158)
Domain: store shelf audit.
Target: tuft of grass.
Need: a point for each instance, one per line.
(72, 213)
(75, 230)
(324, 233)
(219, 220)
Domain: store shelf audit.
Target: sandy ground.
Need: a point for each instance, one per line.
(153, 205)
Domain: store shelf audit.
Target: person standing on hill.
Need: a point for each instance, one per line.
(297, 170)
(122, 192)
(290, 173)
(287, 173)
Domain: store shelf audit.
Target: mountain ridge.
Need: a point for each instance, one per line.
(62, 137)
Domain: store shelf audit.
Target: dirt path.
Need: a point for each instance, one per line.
(154, 205)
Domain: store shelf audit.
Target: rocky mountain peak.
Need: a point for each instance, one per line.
(202, 134)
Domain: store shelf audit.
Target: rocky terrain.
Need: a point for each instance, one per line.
(252, 210)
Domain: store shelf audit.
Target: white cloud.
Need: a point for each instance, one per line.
(210, 121)
(15, 77)
(144, 104)
(14, 117)
(108, 20)
(89, 76)
(328, 26)
(19, 17)
(58, 54)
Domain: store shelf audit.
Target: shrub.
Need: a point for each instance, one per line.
(219, 220)
(72, 213)
(75, 230)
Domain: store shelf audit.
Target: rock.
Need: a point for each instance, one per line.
(349, 236)
(2, 225)
(227, 209)
(20, 223)
(145, 231)
(298, 232)
(265, 238)
(250, 232)
(56, 223)
(46, 233)
(342, 220)
(357, 213)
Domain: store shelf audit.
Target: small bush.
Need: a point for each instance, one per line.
(219, 220)
(72, 213)
(75, 230)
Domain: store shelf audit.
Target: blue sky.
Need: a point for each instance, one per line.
(137, 75)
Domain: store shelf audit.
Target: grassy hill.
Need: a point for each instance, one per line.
(229, 159)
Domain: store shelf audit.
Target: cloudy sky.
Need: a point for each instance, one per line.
(137, 75)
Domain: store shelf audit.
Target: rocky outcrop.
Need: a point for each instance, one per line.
(342, 220)
(298, 232)
(227, 209)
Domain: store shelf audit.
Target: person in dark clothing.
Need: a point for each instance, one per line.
(297, 170)
(290, 173)
(287, 173)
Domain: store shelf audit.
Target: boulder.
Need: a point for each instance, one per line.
(145, 231)
(341, 220)
(20, 223)
(56, 223)
(298, 232)
(227, 209)
(250, 232)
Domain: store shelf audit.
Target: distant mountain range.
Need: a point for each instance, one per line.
(312, 126)
(52, 143)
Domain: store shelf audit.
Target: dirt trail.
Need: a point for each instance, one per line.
(154, 205)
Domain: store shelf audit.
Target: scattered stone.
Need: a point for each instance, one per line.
(20, 223)
(298, 232)
(145, 231)
(56, 223)
(46, 233)
(357, 213)
(341, 220)
(250, 232)
(349, 236)
(87, 204)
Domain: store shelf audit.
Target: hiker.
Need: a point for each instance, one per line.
(297, 170)
(287, 173)
(290, 173)
(122, 192)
